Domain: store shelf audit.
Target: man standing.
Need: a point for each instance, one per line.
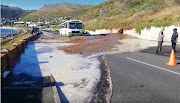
(160, 40)
(174, 39)
(32, 32)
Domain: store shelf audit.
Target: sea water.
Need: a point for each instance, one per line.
(6, 32)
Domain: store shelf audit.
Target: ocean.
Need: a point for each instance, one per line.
(6, 32)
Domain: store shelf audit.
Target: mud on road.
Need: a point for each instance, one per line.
(88, 45)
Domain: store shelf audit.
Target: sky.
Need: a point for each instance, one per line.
(36, 4)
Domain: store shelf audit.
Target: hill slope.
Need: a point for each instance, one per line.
(133, 14)
(57, 10)
(13, 12)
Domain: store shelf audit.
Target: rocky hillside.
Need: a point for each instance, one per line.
(132, 14)
(13, 12)
(57, 10)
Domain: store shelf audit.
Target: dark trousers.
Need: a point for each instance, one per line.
(159, 48)
(174, 46)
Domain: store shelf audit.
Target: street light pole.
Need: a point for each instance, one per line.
(100, 25)
(11, 30)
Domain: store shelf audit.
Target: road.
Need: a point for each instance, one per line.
(144, 77)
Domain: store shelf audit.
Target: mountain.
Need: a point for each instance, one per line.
(132, 14)
(13, 12)
(57, 10)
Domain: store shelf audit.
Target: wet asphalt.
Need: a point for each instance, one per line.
(144, 77)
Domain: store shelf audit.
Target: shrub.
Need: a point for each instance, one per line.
(135, 3)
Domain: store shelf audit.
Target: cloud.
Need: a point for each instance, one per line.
(10, 4)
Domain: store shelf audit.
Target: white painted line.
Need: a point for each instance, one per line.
(153, 66)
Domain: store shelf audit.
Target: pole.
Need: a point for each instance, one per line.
(11, 31)
(100, 18)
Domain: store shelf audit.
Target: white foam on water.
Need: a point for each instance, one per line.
(78, 74)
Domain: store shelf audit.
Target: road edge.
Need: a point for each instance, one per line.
(103, 91)
(109, 90)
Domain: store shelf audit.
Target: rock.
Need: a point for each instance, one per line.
(3, 51)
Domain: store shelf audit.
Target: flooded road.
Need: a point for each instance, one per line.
(25, 82)
(33, 78)
(71, 62)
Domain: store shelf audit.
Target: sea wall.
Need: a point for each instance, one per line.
(8, 59)
(152, 33)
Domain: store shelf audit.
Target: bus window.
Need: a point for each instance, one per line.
(72, 25)
(75, 25)
(79, 25)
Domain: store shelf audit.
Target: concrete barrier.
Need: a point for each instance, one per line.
(21, 48)
(102, 31)
(12, 54)
(152, 33)
(4, 62)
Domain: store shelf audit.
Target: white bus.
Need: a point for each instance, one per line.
(71, 28)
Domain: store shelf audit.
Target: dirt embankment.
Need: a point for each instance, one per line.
(88, 45)
(21, 30)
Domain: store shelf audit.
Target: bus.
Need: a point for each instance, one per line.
(71, 28)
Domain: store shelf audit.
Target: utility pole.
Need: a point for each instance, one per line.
(11, 30)
(100, 24)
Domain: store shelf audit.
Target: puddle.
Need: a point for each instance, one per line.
(44, 50)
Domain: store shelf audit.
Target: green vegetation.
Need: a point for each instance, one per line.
(16, 39)
(55, 27)
(166, 20)
(49, 12)
(138, 14)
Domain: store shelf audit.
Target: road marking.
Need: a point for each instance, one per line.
(153, 66)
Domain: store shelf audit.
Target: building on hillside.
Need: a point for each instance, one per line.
(19, 23)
